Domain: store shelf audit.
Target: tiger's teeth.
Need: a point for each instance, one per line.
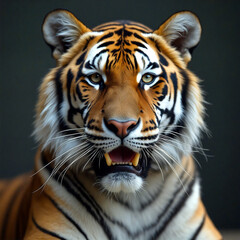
(136, 160)
(108, 159)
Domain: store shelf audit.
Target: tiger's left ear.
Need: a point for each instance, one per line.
(182, 31)
(61, 29)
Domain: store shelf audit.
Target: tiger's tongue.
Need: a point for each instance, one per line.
(122, 154)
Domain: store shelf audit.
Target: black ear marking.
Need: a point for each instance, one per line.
(163, 60)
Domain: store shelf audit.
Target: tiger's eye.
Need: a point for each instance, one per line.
(95, 78)
(147, 78)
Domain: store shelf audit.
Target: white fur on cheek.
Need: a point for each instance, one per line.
(47, 130)
(47, 122)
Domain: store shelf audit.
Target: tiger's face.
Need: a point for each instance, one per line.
(121, 102)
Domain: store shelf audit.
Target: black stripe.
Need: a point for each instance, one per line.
(143, 53)
(111, 24)
(105, 44)
(148, 137)
(129, 62)
(101, 52)
(104, 29)
(184, 88)
(152, 197)
(138, 44)
(153, 65)
(67, 216)
(135, 24)
(165, 211)
(176, 209)
(87, 114)
(163, 60)
(89, 207)
(126, 33)
(88, 41)
(96, 137)
(198, 230)
(163, 93)
(139, 37)
(72, 110)
(135, 62)
(59, 93)
(95, 205)
(139, 29)
(184, 94)
(79, 93)
(174, 79)
(88, 65)
(81, 58)
(164, 74)
(105, 36)
(9, 209)
(46, 231)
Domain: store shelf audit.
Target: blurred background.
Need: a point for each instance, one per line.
(25, 59)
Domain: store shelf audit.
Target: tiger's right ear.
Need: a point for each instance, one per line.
(61, 29)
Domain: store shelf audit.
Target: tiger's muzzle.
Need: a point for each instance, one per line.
(122, 159)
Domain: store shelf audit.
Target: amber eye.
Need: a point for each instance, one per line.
(147, 78)
(95, 78)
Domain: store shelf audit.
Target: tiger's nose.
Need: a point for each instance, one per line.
(121, 129)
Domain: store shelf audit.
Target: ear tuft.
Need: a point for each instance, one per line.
(61, 30)
(182, 31)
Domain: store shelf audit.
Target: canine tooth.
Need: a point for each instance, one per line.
(136, 159)
(108, 159)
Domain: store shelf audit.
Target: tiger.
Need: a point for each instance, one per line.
(117, 122)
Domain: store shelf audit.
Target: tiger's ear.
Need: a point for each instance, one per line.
(61, 29)
(182, 31)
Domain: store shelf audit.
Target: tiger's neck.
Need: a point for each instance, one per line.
(145, 213)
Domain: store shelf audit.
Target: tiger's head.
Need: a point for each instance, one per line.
(121, 102)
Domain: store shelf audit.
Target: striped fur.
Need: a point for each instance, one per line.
(119, 91)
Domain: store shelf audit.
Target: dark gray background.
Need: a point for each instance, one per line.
(25, 59)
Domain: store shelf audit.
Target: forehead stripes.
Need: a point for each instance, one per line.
(115, 25)
(122, 40)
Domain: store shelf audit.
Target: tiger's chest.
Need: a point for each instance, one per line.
(76, 209)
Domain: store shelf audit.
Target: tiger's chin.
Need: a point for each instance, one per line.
(122, 170)
(121, 182)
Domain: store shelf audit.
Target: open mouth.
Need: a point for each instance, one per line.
(121, 159)
(122, 156)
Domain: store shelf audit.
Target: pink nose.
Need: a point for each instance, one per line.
(121, 129)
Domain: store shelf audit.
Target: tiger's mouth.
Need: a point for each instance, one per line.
(122, 156)
(121, 159)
